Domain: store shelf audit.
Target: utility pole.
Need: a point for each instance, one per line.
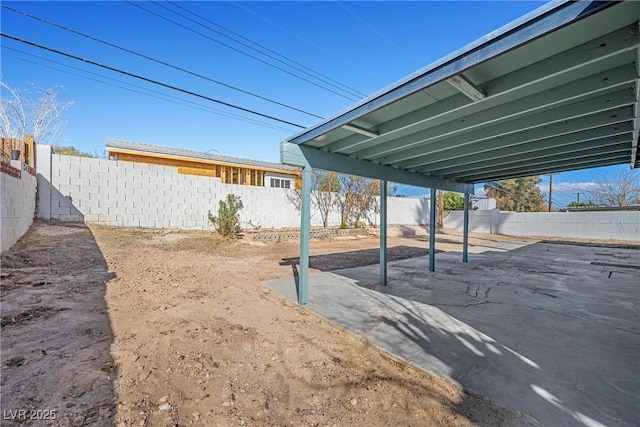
(578, 195)
(550, 189)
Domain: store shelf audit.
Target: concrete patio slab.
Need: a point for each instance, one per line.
(549, 329)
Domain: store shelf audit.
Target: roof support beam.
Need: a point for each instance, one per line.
(300, 155)
(553, 167)
(611, 49)
(559, 169)
(465, 229)
(305, 236)
(461, 83)
(360, 130)
(607, 146)
(597, 84)
(508, 136)
(383, 232)
(432, 229)
(555, 144)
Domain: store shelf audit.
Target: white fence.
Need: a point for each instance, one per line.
(17, 203)
(127, 194)
(616, 225)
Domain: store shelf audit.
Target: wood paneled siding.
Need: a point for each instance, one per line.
(228, 173)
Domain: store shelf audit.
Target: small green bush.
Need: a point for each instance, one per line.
(227, 223)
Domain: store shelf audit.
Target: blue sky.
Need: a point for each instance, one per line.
(364, 46)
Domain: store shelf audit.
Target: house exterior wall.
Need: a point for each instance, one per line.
(269, 175)
(228, 173)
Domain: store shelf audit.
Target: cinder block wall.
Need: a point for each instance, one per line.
(17, 206)
(614, 225)
(138, 195)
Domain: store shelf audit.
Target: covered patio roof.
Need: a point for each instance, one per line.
(553, 91)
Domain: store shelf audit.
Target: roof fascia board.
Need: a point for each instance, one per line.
(197, 160)
(636, 134)
(540, 22)
(303, 156)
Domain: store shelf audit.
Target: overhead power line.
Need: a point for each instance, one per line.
(143, 91)
(364, 70)
(158, 61)
(149, 80)
(372, 28)
(323, 77)
(351, 98)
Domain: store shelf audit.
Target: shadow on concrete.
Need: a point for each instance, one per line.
(546, 329)
(359, 258)
(56, 333)
(549, 329)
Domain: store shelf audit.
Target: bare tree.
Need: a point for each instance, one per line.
(35, 111)
(358, 199)
(617, 189)
(324, 191)
(325, 188)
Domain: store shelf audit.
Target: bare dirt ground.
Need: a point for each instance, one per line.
(114, 327)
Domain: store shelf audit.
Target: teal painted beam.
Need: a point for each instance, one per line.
(600, 111)
(540, 167)
(582, 149)
(305, 225)
(432, 230)
(527, 104)
(527, 147)
(465, 230)
(383, 232)
(304, 156)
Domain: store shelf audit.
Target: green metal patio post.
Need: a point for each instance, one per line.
(305, 224)
(465, 229)
(432, 230)
(383, 232)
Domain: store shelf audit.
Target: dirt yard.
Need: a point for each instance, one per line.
(113, 327)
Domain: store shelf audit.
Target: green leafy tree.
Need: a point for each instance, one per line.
(519, 194)
(68, 150)
(227, 223)
(453, 201)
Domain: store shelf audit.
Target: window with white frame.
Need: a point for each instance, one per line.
(280, 183)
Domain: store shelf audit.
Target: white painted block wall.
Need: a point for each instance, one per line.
(130, 194)
(616, 225)
(17, 206)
